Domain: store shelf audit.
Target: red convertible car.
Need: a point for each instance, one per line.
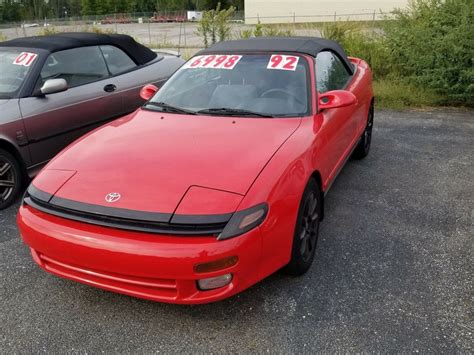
(215, 183)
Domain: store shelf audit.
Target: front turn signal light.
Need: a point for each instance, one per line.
(243, 221)
(216, 265)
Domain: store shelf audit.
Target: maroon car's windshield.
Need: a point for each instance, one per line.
(268, 84)
(14, 68)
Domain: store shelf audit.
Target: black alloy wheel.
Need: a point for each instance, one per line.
(363, 148)
(306, 231)
(10, 179)
(310, 226)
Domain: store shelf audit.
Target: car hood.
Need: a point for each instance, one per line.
(153, 159)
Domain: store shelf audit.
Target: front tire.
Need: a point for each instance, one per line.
(10, 179)
(363, 148)
(307, 230)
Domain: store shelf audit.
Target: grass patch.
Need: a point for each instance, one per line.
(260, 30)
(163, 44)
(397, 95)
(97, 29)
(51, 30)
(48, 31)
(320, 25)
(2, 37)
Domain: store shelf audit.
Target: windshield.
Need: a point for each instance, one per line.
(269, 85)
(14, 67)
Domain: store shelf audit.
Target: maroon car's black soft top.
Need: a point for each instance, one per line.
(62, 41)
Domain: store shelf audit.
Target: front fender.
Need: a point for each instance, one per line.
(13, 136)
(281, 184)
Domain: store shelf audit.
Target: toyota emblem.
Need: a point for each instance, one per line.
(112, 197)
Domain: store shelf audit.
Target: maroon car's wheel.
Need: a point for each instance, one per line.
(10, 179)
(363, 148)
(307, 230)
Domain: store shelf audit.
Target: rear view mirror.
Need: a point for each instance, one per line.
(53, 86)
(148, 91)
(335, 99)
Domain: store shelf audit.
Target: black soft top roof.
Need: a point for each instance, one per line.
(304, 45)
(58, 42)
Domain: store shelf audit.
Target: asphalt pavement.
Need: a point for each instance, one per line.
(393, 270)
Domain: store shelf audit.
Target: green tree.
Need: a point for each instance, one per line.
(212, 4)
(71, 7)
(144, 6)
(123, 6)
(238, 4)
(215, 25)
(171, 5)
(432, 45)
(87, 7)
(10, 11)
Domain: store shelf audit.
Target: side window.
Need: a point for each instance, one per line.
(77, 66)
(117, 60)
(331, 74)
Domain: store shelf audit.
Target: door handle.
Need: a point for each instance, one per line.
(110, 88)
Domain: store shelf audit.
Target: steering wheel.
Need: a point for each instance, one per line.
(281, 91)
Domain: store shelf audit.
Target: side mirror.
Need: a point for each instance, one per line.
(53, 86)
(335, 99)
(148, 91)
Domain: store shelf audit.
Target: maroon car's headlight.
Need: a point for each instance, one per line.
(243, 221)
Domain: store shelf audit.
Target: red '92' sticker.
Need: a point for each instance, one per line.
(283, 62)
(25, 59)
(214, 61)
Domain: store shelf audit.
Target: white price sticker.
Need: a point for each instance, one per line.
(214, 61)
(283, 62)
(25, 59)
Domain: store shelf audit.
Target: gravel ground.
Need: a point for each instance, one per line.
(393, 270)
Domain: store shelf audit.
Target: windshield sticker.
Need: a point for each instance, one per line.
(283, 62)
(213, 61)
(25, 59)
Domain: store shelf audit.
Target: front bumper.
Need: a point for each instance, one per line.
(150, 266)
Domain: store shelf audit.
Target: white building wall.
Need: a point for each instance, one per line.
(287, 11)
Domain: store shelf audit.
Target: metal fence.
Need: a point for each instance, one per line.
(108, 19)
(372, 15)
(175, 30)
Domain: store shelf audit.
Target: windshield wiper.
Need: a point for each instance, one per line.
(169, 108)
(234, 112)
